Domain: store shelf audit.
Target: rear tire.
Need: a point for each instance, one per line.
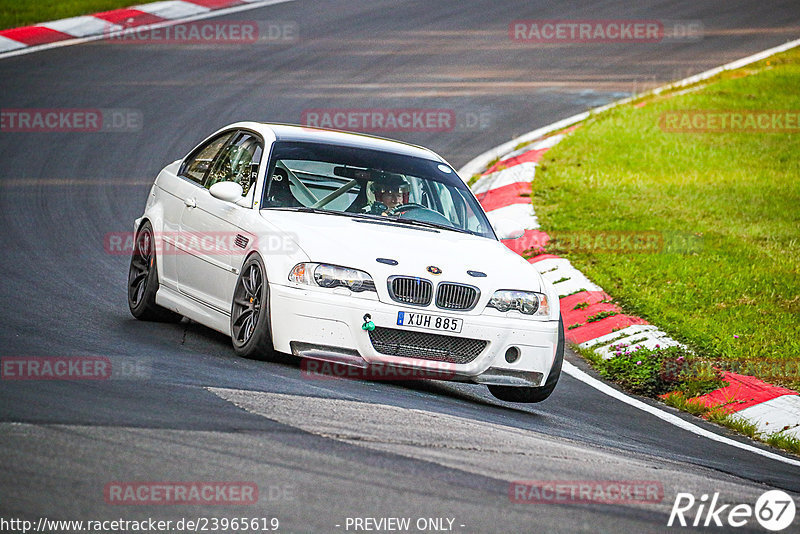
(143, 280)
(250, 323)
(540, 393)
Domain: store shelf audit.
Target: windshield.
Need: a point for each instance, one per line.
(371, 183)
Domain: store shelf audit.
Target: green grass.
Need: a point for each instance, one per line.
(599, 316)
(656, 372)
(15, 13)
(678, 400)
(783, 441)
(727, 282)
(735, 423)
(677, 377)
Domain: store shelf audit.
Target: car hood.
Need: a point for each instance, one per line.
(357, 243)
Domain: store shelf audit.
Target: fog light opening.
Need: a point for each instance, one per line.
(512, 354)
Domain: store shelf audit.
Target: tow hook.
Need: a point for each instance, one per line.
(368, 325)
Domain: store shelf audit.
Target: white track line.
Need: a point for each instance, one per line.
(202, 16)
(668, 417)
(478, 163)
(481, 160)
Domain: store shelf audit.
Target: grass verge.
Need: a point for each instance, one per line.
(16, 13)
(656, 372)
(725, 278)
(676, 376)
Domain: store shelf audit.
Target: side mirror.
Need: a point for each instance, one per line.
(227, 191)
(506, 228)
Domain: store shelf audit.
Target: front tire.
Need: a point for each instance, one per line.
(536, 394)
(250, 323)
(143, 280)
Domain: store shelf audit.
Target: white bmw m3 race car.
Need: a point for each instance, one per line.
(345, 248)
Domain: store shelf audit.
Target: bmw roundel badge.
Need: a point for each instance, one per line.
(434, 269)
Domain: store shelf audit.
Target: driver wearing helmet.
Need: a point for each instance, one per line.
(389, 190)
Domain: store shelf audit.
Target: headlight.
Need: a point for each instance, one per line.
(527, 302)
(330, 276)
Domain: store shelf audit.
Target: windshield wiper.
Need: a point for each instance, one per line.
(427, 224)
(375, 218)
(306, 209)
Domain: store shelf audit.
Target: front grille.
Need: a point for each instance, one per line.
(451, 296)
(410, 290)
(424, 346)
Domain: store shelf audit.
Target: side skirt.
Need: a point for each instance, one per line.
(194, 310)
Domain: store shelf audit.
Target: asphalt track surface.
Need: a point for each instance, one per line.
(319, 450)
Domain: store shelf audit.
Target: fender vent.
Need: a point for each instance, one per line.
(241, 241)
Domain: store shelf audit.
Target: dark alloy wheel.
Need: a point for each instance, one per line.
(143, 280)
(250, 312)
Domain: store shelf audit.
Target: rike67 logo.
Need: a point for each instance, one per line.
(774, 510)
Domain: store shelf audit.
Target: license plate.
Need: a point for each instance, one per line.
(429, 322)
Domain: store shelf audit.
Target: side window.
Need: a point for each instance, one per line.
(197, 165)
(238, 162)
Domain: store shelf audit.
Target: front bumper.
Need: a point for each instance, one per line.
(326, 325)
